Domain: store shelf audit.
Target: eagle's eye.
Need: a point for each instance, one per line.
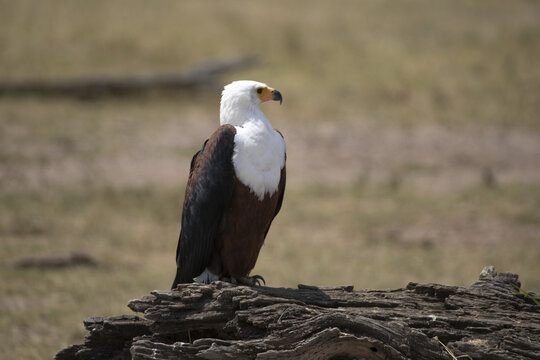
(259, 91)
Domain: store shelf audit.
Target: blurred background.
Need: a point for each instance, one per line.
(412, 129)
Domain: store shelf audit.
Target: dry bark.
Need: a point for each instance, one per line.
(204, 76)
(488, 320)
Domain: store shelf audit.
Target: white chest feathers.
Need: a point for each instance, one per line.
(259, 156)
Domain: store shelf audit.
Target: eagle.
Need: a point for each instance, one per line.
(234, 190)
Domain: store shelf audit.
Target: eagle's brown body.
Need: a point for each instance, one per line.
(237, 245)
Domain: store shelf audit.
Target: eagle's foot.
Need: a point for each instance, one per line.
(255, 280)
(206, 277)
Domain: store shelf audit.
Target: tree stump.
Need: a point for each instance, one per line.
(489, 320)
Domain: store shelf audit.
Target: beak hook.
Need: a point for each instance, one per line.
(276, 95)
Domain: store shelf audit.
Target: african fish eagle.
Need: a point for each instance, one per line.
(234, 190)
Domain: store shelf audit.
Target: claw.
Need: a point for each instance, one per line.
(257, 280)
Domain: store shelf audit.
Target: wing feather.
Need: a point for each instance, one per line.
(208, 195)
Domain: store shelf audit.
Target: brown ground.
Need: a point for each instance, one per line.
(431, 157)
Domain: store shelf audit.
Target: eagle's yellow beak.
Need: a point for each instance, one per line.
(268, 93)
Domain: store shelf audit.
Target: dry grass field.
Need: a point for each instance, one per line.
(412, 129)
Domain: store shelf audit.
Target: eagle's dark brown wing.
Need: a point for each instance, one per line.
(208, 195)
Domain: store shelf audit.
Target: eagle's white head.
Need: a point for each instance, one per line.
(240, 101)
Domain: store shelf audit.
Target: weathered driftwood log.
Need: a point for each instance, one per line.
(204, 76)
(488, 320)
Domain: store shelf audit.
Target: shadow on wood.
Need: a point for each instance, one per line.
(488, 320)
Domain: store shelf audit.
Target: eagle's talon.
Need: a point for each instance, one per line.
(257, 280)
(254, 280)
